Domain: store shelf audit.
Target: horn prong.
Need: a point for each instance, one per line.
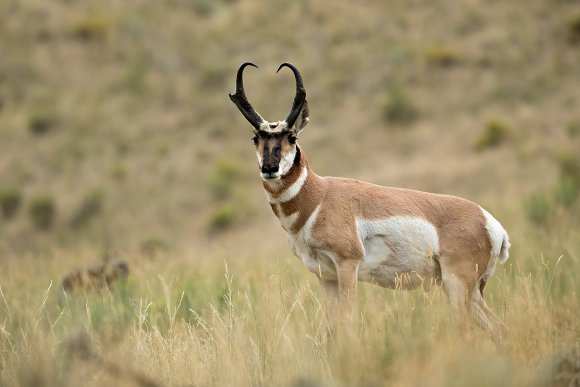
(241, 101)
(300, 97)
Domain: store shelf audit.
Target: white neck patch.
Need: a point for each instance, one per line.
(295, 188)
(287, 162)
(291, 191)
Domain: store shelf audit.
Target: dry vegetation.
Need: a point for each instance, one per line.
(117, 140)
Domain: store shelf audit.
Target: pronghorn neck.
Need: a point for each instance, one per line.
(296, 195)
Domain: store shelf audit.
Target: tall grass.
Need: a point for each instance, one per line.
(261, 322)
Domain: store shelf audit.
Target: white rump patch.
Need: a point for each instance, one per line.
(498, 237)
(500, 243)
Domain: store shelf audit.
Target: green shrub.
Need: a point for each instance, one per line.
(569, 185)
(570, 167)
(223, 176)
(399, 107)
(214, 74)
(441, 56)
(118, 172)
(203, 7)
(42, 122)
(136, 77)
(538, 208)
(90, 27)
(153, 246)
(495, 133)
(42, 212)
(574, 28)
(566, 192)
(223, 218)
(574, 128)
(90, 207)
(10, 200)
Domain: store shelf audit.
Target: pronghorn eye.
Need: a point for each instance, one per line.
(255, 140)
(292, 139)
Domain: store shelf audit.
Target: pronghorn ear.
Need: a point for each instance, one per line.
(302, 119)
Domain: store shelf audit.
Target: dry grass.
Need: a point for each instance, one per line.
(117, 114)
(194, 321)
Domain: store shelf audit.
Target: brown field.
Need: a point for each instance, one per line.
(118, 141)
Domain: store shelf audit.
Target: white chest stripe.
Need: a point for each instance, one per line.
(307, 229)
(288, 221)
(291, 191)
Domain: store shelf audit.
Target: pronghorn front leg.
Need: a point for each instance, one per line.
(346, 271)
(331, 303)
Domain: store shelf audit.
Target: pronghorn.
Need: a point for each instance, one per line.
(346, 230)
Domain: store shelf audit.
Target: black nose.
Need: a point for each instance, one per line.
(270, 168)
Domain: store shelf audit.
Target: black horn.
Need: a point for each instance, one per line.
(240, 100)
(300, 97)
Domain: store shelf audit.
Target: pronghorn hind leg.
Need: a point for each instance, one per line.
(484, 316)
(458, 289)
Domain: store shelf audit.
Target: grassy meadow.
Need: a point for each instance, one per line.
(118, 141)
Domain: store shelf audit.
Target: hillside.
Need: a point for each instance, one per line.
(127, 105)
(118, 140)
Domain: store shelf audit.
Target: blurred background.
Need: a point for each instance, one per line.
(116, 130)
(118, 141)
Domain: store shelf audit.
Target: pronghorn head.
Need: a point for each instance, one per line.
(275, 141)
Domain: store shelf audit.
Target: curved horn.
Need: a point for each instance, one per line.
(240, 100)
(300, 97)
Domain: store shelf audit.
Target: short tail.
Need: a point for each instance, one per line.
(498, 236)
(504, 253)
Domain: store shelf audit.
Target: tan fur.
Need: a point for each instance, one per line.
(345, 230)
(459, 222)
(464, 244)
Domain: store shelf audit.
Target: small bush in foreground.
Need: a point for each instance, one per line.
(42, 212)
(495, 133)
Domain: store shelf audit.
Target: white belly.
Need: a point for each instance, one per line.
(399, 252)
